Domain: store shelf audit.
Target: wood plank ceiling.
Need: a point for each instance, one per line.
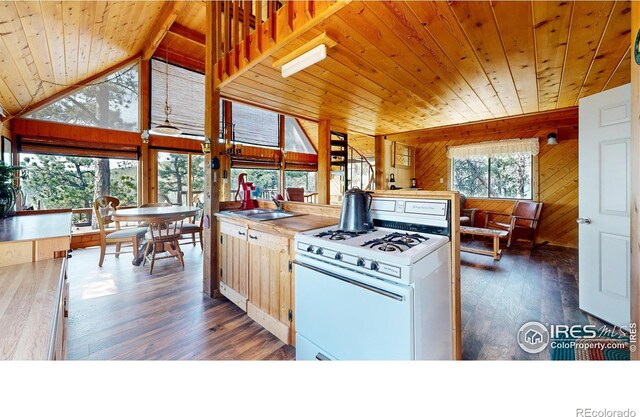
(402, 66)
(65, 42)
(398, 66)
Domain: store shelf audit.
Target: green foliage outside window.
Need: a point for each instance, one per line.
(54, 182)
(507, 176)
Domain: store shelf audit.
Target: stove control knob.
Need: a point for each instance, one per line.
(374, 266)
(319, 251)
(310, 248)
(360, 262)
(338, 256)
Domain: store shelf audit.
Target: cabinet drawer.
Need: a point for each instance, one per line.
(279, 243)
(234, 230)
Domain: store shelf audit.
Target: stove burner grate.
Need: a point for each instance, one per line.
(395, 242)
(339, 234)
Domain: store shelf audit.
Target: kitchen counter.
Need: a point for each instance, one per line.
(288, 226)
(35, 227)
(30, 314)
(34, 237)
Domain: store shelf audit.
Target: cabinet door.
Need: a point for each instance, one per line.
(270, 283)
(233, 263)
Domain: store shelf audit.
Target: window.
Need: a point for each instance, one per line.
(180, 178)
(502, 176)
(499, 169)
(110, 103)
(265, 181)
(301, 179)
(254, 126)
(197, 180)
(295, 140)
(186, 97)
(56, 181)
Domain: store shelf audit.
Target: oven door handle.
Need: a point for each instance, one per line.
(352, 282)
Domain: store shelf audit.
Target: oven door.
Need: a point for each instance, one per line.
(350, 316)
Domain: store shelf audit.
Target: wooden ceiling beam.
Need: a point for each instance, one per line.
(188, 34)
(168, 14)
(547, 120)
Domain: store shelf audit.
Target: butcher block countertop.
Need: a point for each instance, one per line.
(35, 227)
(288, 226)
(29, 300)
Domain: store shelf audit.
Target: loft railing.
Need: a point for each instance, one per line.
(249, 30)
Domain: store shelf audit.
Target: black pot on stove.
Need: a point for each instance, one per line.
(356, 211)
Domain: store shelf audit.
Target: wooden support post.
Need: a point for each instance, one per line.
(635, 176)
(324, 162)
(281, 181)
(226, 185)
(145, 105)
(379, 156)
(212, 178)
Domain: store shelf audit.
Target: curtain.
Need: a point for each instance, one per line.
(501, 147)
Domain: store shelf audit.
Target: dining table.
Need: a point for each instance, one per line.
(168, 214)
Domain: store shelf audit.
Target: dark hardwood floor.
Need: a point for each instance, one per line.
(525, 285)
(121, 312)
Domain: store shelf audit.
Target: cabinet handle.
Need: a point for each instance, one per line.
(241, 233)
(253, 237)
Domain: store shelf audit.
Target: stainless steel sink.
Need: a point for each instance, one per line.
(261, 214)
(272, 215)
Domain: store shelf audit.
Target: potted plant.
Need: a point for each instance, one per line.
(7, 192)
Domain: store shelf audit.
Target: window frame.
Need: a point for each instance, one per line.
(190, 155)
(535, 196)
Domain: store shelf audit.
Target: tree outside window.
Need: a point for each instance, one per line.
(505, 176)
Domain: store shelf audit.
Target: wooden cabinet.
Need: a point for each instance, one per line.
(234, 260)
(256, 275)
(270, 283)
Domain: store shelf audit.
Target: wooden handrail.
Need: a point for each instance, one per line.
(372, 171)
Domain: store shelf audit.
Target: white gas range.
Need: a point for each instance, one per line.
(384, 294)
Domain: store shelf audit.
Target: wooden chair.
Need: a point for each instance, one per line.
(163, 237)
(522, 223)
(294, 194)
(467, 215)
(193, 227)
(103, 207)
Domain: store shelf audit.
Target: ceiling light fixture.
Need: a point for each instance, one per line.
(305, 60)
(166, 128)
(552, 139)
(308, 54)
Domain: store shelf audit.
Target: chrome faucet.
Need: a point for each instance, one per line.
(278, 204)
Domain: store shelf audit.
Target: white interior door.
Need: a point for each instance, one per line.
(604, 167)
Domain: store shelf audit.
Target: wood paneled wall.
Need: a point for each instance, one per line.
(557, 177)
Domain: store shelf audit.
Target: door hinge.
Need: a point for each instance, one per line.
(290, 266)
(290, 315)
(220, 239)
(220, 272)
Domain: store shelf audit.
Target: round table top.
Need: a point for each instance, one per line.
(155, 213)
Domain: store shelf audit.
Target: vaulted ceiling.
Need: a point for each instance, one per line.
(402, 66)
(47, 46)
(397, 66)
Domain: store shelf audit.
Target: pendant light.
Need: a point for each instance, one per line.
(166, 128)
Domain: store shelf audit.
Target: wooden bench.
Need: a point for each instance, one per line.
(479, 231)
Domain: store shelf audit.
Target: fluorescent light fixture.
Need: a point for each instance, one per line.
(305, 60)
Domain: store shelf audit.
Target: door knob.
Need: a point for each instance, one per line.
(583, 220)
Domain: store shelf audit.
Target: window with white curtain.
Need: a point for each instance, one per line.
(502, 169)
